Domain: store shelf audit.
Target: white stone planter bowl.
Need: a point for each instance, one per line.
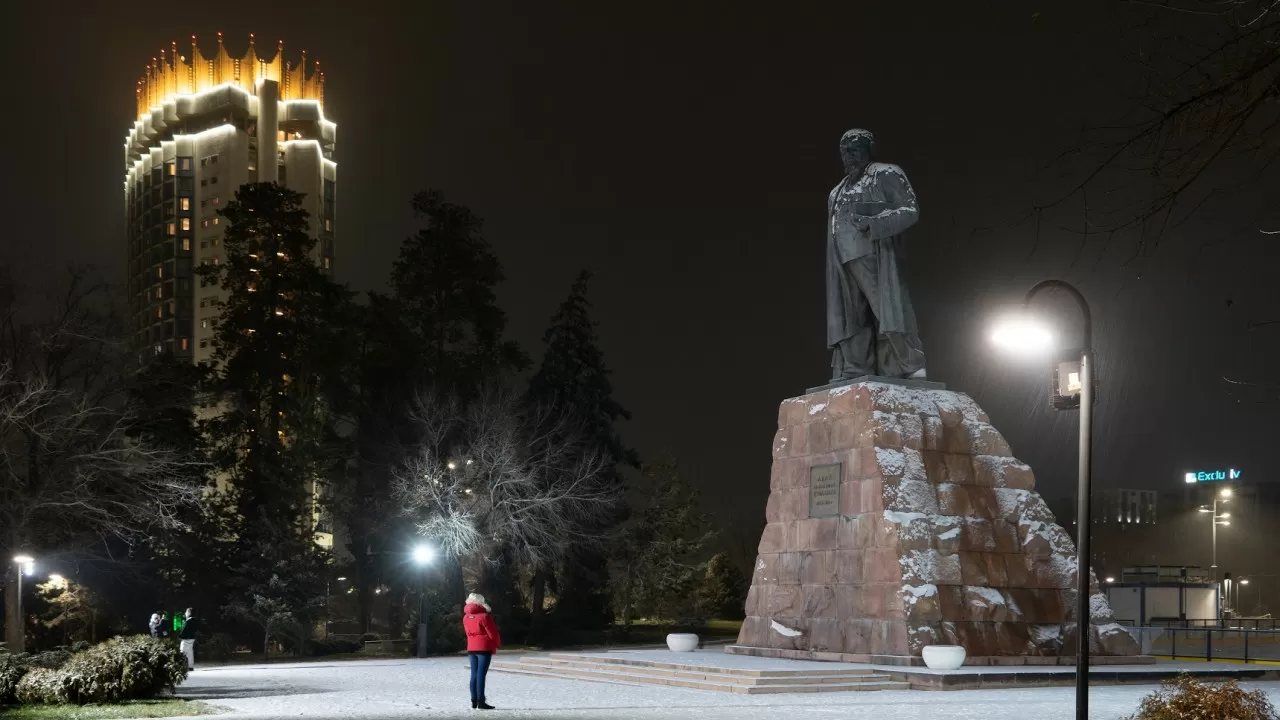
(682, 642)
(943, 657)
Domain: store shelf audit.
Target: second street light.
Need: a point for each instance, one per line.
(1072, 388)
(422, 557)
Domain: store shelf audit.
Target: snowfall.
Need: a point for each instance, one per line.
(437, 688)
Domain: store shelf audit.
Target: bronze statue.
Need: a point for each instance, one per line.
(871, 328)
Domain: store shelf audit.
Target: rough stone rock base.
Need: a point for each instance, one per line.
(936, 536)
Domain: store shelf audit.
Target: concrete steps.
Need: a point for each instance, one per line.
(627, 671)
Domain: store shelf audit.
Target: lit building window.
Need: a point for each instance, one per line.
(183, 343)
(328, 225)
(215, 219)
(186, 244)
(186, 223)
(172, 229)
(159, 314)
(186, 163)
(160, 272)
(204, 324)
(204, 223)
(173, 169)
(185, 203)
(326, 263)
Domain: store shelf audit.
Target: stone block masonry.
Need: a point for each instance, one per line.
(940, 539)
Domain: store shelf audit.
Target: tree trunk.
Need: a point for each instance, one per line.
(266, 643)
(627, 584)
(536, 612)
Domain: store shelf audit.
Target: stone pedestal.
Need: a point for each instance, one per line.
(898, 518)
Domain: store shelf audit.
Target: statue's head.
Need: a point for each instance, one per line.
(856, 147)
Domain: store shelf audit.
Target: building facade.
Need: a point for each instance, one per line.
(206, 126)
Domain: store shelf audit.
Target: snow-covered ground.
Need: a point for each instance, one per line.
(437, 688)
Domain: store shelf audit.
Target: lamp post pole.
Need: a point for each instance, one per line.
(422, 610)
(18, 633)
(1083, 490)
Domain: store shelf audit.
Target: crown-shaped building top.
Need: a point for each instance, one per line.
(170, 75)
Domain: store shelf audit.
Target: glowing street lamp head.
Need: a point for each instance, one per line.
(1244, 581)
(23, 559)
(423, 554)
(1022, 334)
(1110, 579)
(1226, 493)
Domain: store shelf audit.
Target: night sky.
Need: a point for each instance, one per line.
(684, 156)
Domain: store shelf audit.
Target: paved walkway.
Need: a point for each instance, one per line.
(437, 688)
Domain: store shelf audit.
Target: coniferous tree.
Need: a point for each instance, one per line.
(280, 351)
(444, 282)
(573, 380)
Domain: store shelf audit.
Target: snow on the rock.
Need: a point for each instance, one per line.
(815, 409)
(903, 517)
(891, 462)
(783, 630)
(913, 593)
(989, 595)
(930, 566)
(950, 534)
(1099, 608)
(1042, 634)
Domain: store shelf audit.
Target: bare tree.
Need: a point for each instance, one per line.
(71, 476)
(1207, 118)
(489, 476)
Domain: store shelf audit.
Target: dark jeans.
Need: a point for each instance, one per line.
(479, 668)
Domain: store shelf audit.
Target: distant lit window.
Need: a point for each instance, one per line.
(186, 223)
(186, 163)
(215, 261)
(183, 343)
(172, 229)
(204, 323)
(186, 244)
(160, 272)
(215, 219)
(204, 223)
(159, 314)
(214, 201)
(328, 225)
(326, 263)
(173, 169)
(185, 203)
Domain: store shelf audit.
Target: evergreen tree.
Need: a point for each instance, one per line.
(657, 552)
(724, 589)
(444, 282)
(574, 380)
(280, 352)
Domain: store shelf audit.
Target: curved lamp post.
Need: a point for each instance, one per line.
(422, 557)
(1024, 333)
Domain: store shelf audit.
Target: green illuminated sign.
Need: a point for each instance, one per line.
(1213, 476)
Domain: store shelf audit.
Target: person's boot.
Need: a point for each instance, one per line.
(484, 706)
(474, 704)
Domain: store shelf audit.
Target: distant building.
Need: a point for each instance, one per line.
(206, 126)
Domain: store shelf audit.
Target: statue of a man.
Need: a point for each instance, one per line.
(871, 328)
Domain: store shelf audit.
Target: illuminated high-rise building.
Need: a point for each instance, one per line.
(207, 125)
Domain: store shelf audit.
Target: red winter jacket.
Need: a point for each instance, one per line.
(482, 631)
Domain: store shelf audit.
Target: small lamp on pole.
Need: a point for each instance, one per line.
(422, 557)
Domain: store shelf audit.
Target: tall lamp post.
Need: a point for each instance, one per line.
(18, 634)
(1223, 519)
(1073, 387)
(422, 557)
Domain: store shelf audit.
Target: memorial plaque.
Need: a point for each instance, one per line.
(824, 491)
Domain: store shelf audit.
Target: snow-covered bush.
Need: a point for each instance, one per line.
(41, 686)
(1185, 698)
(119, 669)
(11, 671)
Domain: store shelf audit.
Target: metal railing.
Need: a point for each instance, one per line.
(1266, 623)
(1209, 643)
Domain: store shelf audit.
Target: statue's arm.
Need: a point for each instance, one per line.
(905, 211)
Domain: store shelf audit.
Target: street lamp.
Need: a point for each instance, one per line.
(422, 557)
(1223, 519)
(1073, 387)
(18, 633)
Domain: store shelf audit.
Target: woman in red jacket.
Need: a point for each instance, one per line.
(482, 642)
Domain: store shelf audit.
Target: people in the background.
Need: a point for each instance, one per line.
(188, 638)
(482, 642)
